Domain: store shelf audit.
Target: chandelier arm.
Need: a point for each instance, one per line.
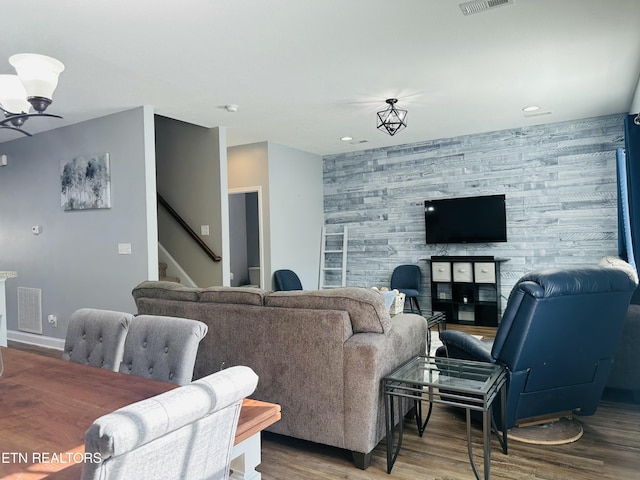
(15, 128)
(18, 116)
(11, 117)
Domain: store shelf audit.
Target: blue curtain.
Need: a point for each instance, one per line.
(625, 240)
(628, 171)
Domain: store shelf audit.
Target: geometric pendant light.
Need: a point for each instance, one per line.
(391, 120)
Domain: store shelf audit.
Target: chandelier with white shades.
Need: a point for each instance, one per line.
(30, 92)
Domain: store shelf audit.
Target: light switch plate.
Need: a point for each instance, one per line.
(124, 249)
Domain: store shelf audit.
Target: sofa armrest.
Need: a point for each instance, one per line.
(457, 344)
(369, 357)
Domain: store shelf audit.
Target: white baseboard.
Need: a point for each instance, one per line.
(38, 340)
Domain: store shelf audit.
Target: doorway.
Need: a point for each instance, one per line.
(245, 237)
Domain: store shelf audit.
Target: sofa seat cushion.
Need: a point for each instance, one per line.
(166, 291)
(236, 295)
(365, 307)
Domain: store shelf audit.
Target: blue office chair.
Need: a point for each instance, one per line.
(286, 280)
(557, 340)
(407, 279)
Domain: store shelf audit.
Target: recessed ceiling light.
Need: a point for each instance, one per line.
(346, 139)
(230, 108)
(531, 108)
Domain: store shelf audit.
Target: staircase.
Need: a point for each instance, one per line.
(162, 274)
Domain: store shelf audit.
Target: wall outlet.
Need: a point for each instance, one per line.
(204, 229)
(53, 320)
(3, 160)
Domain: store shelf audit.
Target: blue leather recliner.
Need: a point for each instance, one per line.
(557, 339)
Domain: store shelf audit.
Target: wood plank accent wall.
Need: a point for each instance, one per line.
(559, 181)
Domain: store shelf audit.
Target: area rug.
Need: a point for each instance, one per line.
(558, 432)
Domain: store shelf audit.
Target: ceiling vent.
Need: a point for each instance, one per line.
(479, 6)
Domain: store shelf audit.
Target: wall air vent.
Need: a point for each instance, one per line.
(478, 6)
(30, 310)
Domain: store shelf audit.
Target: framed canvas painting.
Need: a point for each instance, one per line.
(85, 182)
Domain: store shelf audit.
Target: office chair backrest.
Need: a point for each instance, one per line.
(96, 337)
(286, 280)
(187, 432)
(406, 277)
(162, 348)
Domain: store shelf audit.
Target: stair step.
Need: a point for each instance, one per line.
(170, 279)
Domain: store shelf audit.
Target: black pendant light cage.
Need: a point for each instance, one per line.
(392, 120)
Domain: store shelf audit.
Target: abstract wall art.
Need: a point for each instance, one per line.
(85, 182)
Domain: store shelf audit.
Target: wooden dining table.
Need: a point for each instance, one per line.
(47, 404)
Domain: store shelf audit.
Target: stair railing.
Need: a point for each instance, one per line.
(176, 216)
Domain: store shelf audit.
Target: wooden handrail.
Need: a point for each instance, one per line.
(205, 248)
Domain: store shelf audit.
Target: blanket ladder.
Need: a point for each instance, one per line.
(333, 258)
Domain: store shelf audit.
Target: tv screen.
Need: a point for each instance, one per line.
(466, 220)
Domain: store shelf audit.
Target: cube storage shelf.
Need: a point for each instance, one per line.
(466, 289)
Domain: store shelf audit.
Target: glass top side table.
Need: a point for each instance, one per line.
(461, 383)
(439, 320)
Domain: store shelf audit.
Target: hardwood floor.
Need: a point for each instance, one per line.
(608, 450)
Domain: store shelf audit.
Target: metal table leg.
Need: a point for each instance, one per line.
(486, 443)
(418, 407)
(391, 429)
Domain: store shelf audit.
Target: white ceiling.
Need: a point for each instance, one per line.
(307, 72)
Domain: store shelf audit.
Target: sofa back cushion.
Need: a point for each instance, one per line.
(238, 295)
(365, 307)
(166, 291)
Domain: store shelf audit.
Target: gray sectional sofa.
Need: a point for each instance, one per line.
(320, 354)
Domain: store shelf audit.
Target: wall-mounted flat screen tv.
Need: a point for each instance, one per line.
(480, 219)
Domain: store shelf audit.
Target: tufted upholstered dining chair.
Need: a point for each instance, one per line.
(162, 348)
(96, 337)
(187, 432)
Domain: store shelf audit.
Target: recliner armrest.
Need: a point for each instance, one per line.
(463, 346)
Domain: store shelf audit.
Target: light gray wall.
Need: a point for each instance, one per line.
(291, 182)
(189, 171)
(244, 238)
(248, 167)
(75, 259)
(253, 237)
(297, 217)
(559, 181)
(238, 239)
